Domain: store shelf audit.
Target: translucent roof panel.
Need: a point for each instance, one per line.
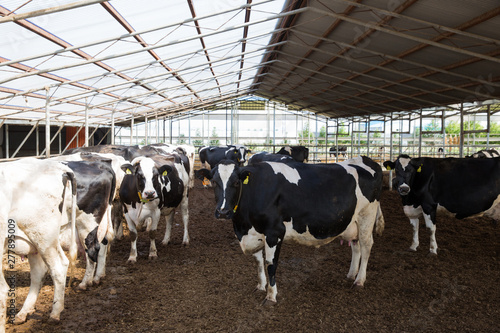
(336, 58)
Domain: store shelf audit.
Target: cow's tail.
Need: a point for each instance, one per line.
(379, 221)
(73, 247)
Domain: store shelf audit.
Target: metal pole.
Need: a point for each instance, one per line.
(86, 143)
(146, 130)
(37, 134)
(461, 148)
(157, 127)
(171, 129)
(47, 123)
(7, 141)
(131, 129)
(420, 136)
(113, 127)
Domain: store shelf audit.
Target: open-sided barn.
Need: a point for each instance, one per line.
(370, 77)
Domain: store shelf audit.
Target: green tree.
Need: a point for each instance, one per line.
(304, 135)
(198, 142)
(181, 140)
(214, 141)
(453, 127)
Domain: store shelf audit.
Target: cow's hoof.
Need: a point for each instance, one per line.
(259, 290)
(96, 282)
(19, 320)
(185, 244)
(268, 302)
(154, 257)
(54, 320)
(131, 261)
(351, 278)
(357, 285)
(411, 250)
(164, 243)
(82, 286)
(432, 255)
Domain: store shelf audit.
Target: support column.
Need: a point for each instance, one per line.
(113, 127)
(47, 123)
(86, 143)
(461, 148)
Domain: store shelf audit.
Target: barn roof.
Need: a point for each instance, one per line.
(126, 59)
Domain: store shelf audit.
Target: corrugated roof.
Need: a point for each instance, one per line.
(338, 58)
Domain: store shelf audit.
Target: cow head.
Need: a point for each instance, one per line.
(149, 178)
(406, 169)
(237, 153)
(227, 179)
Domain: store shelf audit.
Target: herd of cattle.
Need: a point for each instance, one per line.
(78, 201)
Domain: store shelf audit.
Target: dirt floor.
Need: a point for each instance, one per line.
(209, 286)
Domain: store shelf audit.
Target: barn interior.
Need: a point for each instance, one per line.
(77, 73)
(378, 77)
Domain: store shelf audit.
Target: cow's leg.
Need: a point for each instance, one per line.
(169, 219)
(415, 224)
(272, 251)
(366, 222)
(153, 253)
(432, 230)
(185, 220)
(89, 274)
(101, 264)
(259, 257)
(57, 263)
(38, 269)
(117, 218)
(133, 240)
(355, 259)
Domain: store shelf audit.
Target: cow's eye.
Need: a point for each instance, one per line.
(236, 183)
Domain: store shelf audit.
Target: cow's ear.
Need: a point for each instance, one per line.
(128, 168)
(248, 151)
(203, 173)
(164, 170)
(389, 165)
(245, 176)
(417, 164)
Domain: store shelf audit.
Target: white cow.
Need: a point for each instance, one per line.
(38, 198)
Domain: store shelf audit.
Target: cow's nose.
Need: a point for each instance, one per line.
(404, 189)
(222, 214)
(149, 194)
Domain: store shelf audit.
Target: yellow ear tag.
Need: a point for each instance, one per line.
(388, 168)
(206, 182)
(128, 172)
(419, 168)
(246, 180)
(164, 174)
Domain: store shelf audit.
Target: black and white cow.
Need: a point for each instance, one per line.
(95, 193)
(38, 199)
(154, 185)
(272, 202)
(127, 152)
(341, 150)
(213, 155)
(464, 187)
(187, 150)
(265, 156)
(298, 153)
(486, 153)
